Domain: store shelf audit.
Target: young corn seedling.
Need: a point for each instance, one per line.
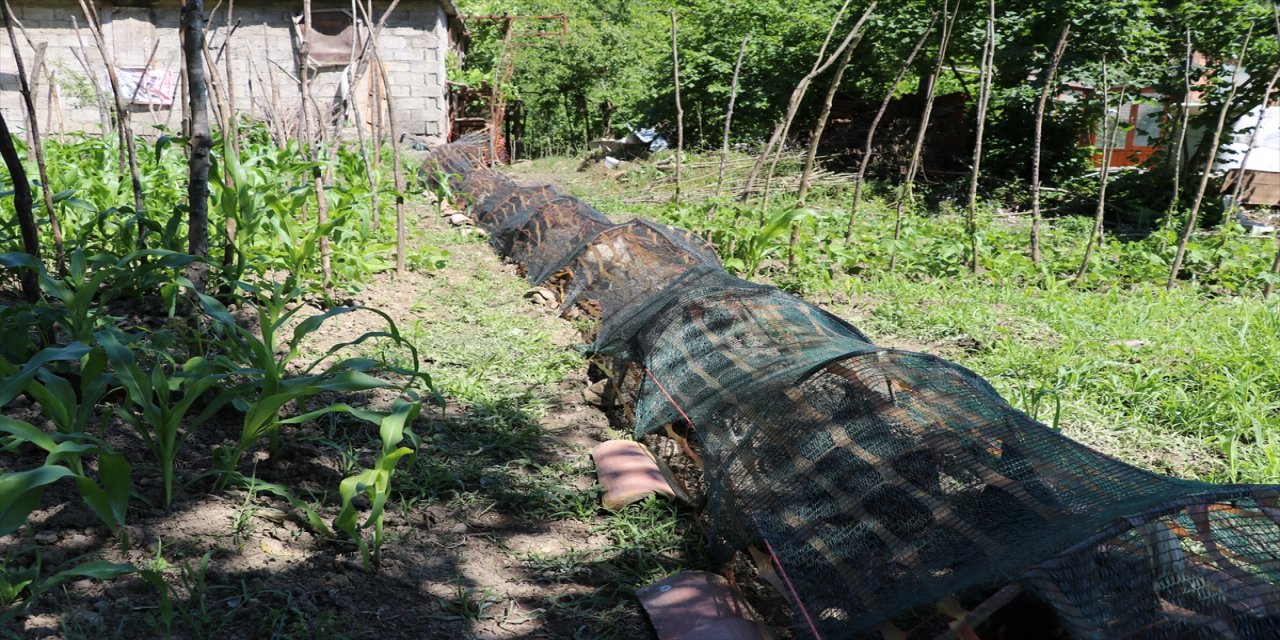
(269, 387)
(20, 492)
(375, 483)
(158, 410)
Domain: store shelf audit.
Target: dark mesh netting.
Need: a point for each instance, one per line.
(483, 190)
(624, 263)
(519, 203)
(881, 481)
(542, 241)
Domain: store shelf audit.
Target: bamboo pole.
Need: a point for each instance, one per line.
(801, 88)
(33, 128)
(22, 207)
(985, 76)
(906, 195)
(1038, 137)
(865, 162)
(201, 142)
(1210, 157)
(675, 66)
(1104, 173)
(850, 43)
(728, 120)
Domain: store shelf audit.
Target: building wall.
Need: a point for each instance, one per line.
(261, 53)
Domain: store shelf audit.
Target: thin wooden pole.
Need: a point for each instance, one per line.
(865, 162)
(728, 119)
(1210, 157)
(317, 149)
(985, 77)
(123, 123)
(906, 195)
(201, 143)
(397, 168)
(801, 88)
(22, 207)
(850, 42)
(1104, 173)
(1038, 137)
(37, 147)
(104, 112)
(675, 66)
(1184, 116)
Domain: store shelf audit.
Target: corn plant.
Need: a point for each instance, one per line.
(375, 483)
(21, 491)
(21, 586)
(158, 411)
(264, 362)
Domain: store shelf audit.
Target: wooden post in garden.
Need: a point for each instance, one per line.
(37, 148)
(728, 120)
(985, 73)
(675, 66)
(1210, 156)
(906, 195)
(850, 42)
(865, 162)
(201, 142)
(123, 122)
(779, 131)
(1037, 141)
(815, 137)
(22, 207)
(1104, 173)
(317, 149)
(1184, 116)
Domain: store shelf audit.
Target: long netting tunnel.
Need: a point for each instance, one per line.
(882, 483)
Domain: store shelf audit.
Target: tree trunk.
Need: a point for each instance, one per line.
(1210, 155)
(850, 42)
(931, 85)
(875, 123)
(675, 66)
(985, 73)
(1038, 138)
(201, 142)
(728, 119)
(30, 279)
(1108, 146)
(1184, 115)
(33, 127)
(801, 88)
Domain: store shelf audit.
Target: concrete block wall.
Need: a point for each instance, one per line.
(261, 54)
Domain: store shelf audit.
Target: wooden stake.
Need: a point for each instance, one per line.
(675, 60)
(201, 142)
(728, 120)
(33, 127)
(1108, 146)
(861, 176)
(815, 138)
(317, 148)
(779, 130)
(1210, 157)
(985, 76)
(907, 194)
(1037, 139)
(22, 207)
(1184, 115)
(850, 42)
(123, 122)
(397, 168)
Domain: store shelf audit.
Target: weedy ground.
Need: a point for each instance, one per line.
(494, 528)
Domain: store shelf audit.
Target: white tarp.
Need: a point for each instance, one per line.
(1266, 142)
